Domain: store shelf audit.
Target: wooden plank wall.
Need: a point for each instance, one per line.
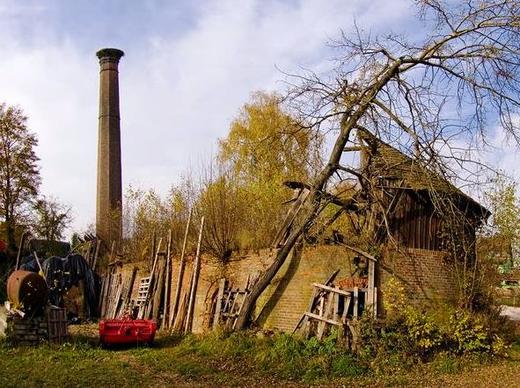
(414, 223)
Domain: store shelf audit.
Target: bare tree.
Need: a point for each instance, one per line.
(223, 203)
(401, 91)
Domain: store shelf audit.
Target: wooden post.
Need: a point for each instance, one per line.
(195, 280)
(20, 248)
(182, 264)
(167, 282)
(158, 290)
(371, 283)
(356, 301)
(112, 251)
(96, 254)
(154, 246)
(220, 296)
(130, 285)
(375, 302)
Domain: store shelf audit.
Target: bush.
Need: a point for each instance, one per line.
(412, 334)
(466, 334)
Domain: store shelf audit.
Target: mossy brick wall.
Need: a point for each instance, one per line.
(424, 273)
(287, 297)
(426, 277)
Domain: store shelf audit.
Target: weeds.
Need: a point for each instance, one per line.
(282, 355)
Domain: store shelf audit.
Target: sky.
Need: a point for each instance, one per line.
(188, 68)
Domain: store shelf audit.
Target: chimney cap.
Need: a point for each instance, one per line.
(112, 53)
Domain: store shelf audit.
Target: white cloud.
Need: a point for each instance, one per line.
(178, 95)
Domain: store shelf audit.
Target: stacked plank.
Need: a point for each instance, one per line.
(116, 294)
(156, 298)
(183, 308)
(172, 309)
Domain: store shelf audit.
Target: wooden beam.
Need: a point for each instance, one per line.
(218, 307)
(349, 204)
(167, 281)
(331, 289)
(96, 254)
(319, 318)
(352, 148)
(180, 277)
(195, 280)
(359, 251)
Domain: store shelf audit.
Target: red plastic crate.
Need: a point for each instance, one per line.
(127, 331)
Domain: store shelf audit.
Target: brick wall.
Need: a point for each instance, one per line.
(425, 274)
(286, 298)
(280, 307)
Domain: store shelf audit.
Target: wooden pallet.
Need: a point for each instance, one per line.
(228, 304)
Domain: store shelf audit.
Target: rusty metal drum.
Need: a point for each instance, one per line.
(27, 289)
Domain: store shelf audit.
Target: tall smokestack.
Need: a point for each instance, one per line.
(109, 187)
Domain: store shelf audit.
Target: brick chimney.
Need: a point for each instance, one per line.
(109, 186)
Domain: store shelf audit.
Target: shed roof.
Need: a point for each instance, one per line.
(389, 163)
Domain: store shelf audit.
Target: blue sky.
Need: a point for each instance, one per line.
(189, 67)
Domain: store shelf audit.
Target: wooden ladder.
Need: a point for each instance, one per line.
(142, 295)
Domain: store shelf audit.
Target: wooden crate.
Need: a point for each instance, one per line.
(57, 325)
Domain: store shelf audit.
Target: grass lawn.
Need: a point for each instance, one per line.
(233, 361)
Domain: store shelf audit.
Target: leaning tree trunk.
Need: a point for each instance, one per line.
(349, 121)
(311, 210)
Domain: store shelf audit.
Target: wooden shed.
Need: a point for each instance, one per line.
(422, 211)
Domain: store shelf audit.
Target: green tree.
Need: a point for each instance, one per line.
(224, 204)
(266, 146)
(503, 235)
(19, 174)
(50, 219)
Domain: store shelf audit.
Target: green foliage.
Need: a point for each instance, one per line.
(19, 172)
(282, 355)
(50, 219)
(501, 239)
(266, 146)
(415, 334)
(240, 194)
(467, 334)
(225, 205)
(446, 362)
(146, 214)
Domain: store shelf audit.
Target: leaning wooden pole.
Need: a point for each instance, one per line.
(96, 254)
(182, 264)
(167, 281)
(195, 281)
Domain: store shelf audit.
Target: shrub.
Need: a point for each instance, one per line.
(465, 333)
(412, 333)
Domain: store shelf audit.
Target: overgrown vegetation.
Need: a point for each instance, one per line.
(240, 192)
(409, 333)
(237, 359)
